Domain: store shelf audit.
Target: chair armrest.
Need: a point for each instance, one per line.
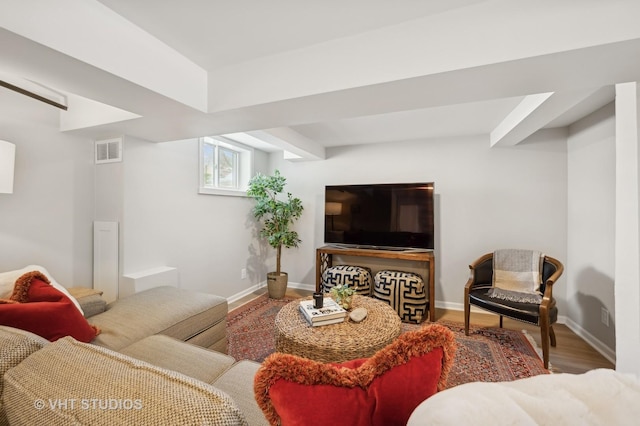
(473, 271)
(547, 298)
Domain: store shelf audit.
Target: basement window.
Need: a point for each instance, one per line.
(225, 166)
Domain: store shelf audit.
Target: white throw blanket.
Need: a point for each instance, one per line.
(517, 275)
(598, 397)
(517, 270)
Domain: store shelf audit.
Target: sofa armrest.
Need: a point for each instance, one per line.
(68, 381)
(90, 300)
(15, 346)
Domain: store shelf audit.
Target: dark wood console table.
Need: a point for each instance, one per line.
(324, 260)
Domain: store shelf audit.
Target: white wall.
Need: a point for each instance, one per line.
(485, 199)
(48, 218)
(165, 222)
(627, 264)
(590, 266)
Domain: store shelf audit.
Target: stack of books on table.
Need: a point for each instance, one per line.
(330, 313)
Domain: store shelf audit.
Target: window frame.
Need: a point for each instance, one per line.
(244, 166)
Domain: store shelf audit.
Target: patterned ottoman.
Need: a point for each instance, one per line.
(404, 292)
(356, 277)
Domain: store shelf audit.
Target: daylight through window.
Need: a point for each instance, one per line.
(225, 166)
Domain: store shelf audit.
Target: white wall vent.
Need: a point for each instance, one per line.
(109, 151)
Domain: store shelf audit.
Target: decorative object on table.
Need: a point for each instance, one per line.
(330, 313)
(318, 299)
(358, 314)
(276, 215)
(343, 295)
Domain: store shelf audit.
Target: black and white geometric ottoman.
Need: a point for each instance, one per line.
(356, 277)
(404, 292)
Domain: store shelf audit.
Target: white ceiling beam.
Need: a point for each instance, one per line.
(296, 146)
(515, 118)
(600, 65)
(534, 113)
(94, 34)
(429, 46)
(84, 113)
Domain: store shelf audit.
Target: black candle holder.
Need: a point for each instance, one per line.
(318, 298)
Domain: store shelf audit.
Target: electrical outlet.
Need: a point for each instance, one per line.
(604, 316)
(243, 273)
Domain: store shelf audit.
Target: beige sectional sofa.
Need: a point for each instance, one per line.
(193, 317)
(152, 363)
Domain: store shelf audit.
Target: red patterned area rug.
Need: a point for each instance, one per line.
(491, 355)
(487, 354)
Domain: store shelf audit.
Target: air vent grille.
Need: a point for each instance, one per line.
(109, 151)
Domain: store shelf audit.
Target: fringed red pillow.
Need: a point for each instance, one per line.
(38, 307)
(381, 390)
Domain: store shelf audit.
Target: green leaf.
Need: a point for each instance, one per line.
(275, 213)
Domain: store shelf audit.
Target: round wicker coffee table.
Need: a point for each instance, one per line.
(337, 342)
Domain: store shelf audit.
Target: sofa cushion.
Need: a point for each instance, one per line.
(173, 354)
(381, 390)
(90, 300)
(171, 311)
(237, 382)
(68, 382)
(15, 346)
(8, 280)
(43, 310)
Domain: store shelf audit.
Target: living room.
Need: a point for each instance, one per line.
(568, 191)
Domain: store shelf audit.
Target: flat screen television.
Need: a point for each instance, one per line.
(384, 216)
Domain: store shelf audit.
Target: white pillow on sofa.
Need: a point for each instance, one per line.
(8, 280)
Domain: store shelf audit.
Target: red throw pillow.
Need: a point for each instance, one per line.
(381, 390)
(40, 308)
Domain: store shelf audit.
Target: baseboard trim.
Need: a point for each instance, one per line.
(301, 286)
(238, 296)
(594, 342)
(591, 340)
(452, 306)
(263, 284)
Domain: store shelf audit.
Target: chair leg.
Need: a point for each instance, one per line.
(544, 340)
(552, 336)
(500, 321)
(467, 313)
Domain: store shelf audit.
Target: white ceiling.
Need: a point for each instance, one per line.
(316, 74)
(218, 33)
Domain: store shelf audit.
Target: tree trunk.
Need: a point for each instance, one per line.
(278, 252)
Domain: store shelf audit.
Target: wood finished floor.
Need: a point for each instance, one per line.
(571, 355)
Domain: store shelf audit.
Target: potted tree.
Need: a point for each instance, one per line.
(276, 215)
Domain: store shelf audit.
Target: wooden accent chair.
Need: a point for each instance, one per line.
(544, 314)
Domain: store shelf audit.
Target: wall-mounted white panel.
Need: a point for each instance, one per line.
(150, 278)
(105, 259)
